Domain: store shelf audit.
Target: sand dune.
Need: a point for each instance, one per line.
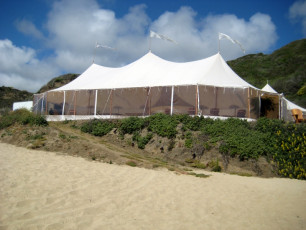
(43, 190)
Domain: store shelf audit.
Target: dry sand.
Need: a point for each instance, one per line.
(43, 190)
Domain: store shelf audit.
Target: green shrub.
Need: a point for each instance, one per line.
(97, 127)
(131, 163)
(215, 167)
(188, 143)
(142, 141)
(163, 125)
(188, 140)
(130, 125)
(22, 116)
(198, 164)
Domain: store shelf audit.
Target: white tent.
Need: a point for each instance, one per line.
(152, 71)
(152, 85)
(287, 105)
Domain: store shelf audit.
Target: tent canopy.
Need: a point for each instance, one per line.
(152, 71)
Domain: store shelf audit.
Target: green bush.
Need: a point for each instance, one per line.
(22, 116)
(163, 125)
(188, 140)
(131, 163)
(130, 125)
(142, 141)
(97, 127)
(215, 167)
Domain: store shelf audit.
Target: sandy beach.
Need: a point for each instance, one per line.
(45, 190)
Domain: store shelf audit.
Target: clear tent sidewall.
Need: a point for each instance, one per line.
(144, 101)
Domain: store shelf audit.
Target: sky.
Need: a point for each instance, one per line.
(42, 39)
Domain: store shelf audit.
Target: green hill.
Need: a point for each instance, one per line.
(285, 69)
(58, 82)
(9, 95)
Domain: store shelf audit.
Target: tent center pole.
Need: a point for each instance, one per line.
(96, 98)
(46, 112)
(249, 101)
(172, 93)
(111, 103)
(63, 109)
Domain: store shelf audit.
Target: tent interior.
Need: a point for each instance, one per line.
(151, 85)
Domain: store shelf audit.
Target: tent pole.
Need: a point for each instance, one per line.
(172, 93)
(259, 107)
(88, 106)
(249, 107)
(63, 109)
(150, 97)
(197, 101)
(279, 107)
(46, 112)
(111, 103)
(96, 98)
(42, 104)
(74, 104)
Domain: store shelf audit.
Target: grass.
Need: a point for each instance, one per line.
(131, 163)
(241, 174)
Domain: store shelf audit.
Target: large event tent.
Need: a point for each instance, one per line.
(153, 85)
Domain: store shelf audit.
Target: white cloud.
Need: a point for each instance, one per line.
(28, 28)
(74, 26)
(298, 12)
(20, 68)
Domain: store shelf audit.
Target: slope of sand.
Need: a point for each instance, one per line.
(43, 190)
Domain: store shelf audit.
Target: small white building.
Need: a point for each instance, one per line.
(23, 105)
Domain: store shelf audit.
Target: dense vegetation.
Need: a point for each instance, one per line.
(283, 143)
(285, 69)
(21, 116)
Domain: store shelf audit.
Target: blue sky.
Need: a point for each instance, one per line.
(40, 39)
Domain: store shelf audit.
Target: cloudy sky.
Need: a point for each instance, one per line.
(41, 39)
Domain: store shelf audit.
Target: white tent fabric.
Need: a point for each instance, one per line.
(151, 71)
(268, 88)
(290, 105)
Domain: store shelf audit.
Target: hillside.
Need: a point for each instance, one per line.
(9, 95)
(285, 69)
(58, 82)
